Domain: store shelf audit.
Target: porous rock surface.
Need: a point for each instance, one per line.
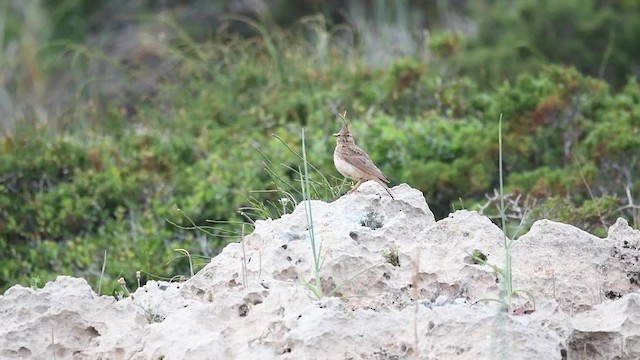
(434, 303)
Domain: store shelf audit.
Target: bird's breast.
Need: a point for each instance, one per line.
(345, 168)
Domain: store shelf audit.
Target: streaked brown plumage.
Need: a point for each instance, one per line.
(352, 162)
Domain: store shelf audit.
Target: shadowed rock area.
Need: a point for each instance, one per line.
(424, 304)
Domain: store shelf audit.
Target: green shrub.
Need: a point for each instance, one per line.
(521, 36)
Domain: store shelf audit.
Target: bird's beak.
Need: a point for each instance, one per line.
(336, 134)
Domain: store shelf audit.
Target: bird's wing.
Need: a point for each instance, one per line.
(361, 160)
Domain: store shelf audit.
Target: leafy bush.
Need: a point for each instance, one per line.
(514, 37)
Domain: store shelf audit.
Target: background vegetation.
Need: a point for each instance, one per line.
(126, 125)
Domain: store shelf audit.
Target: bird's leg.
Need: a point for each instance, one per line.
(355, 186)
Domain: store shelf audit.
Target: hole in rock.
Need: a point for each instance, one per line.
(253, 298)
(91, 332)
(612, 295)
(243, 310)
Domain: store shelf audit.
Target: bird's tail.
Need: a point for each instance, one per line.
(385, 187)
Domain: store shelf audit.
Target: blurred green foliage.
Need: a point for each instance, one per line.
(598, 37)
(133, 177)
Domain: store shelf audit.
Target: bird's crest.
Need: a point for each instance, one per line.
(345, 125)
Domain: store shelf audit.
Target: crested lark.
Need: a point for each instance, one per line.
(353, 163)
